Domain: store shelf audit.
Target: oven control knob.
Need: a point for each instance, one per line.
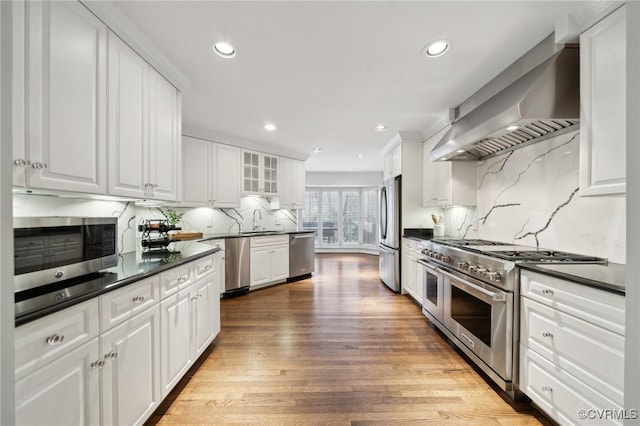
(446, 259)
(463, 265)
(473, 269)
(482, 271)
(494, 276)
(438, 256)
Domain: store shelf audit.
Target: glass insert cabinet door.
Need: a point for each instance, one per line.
(251, 162)
(270, 174)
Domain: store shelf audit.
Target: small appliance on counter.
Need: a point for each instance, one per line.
(48, 250)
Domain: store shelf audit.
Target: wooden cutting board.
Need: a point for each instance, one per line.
(180, 236)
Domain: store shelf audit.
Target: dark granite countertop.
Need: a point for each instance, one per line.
(609, 277)
(219, 235)
(132, 267)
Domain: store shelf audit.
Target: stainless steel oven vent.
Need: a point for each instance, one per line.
(509, 113)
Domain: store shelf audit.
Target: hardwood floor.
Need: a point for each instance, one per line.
(339, 348)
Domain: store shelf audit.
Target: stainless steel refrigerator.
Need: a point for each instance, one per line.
(389, 244)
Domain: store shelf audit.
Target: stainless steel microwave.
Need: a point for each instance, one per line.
(52, 249)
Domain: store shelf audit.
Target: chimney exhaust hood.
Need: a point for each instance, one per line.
(538, 104)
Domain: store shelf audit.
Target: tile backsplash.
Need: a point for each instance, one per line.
(204, 219)
(531, 197)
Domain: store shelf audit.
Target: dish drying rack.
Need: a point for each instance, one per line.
(155, 234)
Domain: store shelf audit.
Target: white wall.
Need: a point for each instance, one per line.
(7, 313)
(354, 179)
(632, 325)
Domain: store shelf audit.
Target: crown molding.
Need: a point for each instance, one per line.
(118, 22)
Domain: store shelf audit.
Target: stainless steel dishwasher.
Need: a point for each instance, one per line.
(237, 266)
(301, 255)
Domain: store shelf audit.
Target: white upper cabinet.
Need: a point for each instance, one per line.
(210, 174)
(128, 119)
(447, 183)
(144, 119)
(393, 163)
(292, 183)
(603, 106)
(65, 140)
(260, 173)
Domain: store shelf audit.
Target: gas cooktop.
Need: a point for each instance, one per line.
(518, 253)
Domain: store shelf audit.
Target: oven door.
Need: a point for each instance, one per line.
(481, 317)
(432, 282)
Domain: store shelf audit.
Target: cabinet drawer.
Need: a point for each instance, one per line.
(50, 337)
(409, 245)
(591, 353)
(120, 305)
(590, 304)
(269, 240)
(202, 267)
(558, 393)
(174, 279)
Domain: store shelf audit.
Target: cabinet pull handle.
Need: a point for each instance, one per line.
(182, 279)
(547, 292)
(22, 163)
(55, 339)
(38, 166)
(138, 299)
(111, 355)
(547, 334)
(97, 364)
(547, 389)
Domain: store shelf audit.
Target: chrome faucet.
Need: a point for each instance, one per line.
(255, 227)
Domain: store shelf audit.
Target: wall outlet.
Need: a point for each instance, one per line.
(210, 223)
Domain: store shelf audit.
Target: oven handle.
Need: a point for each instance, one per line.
(493, 296)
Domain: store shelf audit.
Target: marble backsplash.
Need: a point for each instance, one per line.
(130, 215)
(531, 197)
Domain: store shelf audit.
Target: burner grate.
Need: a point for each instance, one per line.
(545, 256)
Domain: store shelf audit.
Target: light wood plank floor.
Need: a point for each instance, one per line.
(336, 349)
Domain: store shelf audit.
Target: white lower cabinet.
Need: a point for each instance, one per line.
(571, 347)
(117, 374)
(410, 273)
(64, 392)
(176, 338)
(269, 260)
(130, 375)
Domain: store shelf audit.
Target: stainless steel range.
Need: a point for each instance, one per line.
(471, 294)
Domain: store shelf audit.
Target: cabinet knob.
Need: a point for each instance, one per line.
(208, 267)
(54, 339)
(22, 163)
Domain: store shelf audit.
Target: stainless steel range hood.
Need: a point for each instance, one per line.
(542, 102)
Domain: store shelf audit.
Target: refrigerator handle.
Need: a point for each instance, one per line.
(383, 213)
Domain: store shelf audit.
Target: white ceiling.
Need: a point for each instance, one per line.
(327, 72)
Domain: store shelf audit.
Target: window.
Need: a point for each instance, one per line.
(345, 217)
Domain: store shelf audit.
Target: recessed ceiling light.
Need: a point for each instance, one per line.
(436, 48)
(460, 151)
(359, 156)
(317, 150)
(381, 128)
(512, 128)
(444, 158)
(270, 127)
(224, 49)
(567, 152)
